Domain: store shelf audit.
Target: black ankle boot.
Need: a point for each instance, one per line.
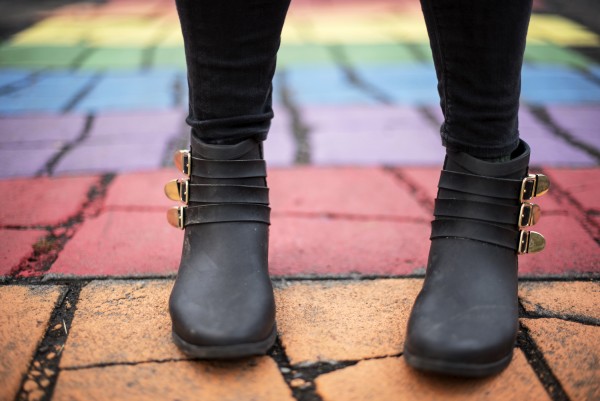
(465, 320)
(222, 303)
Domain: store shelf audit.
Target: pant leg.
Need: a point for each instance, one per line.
(231, 48)
(478, 48)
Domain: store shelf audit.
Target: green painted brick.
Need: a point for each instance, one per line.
(113, 58)
(22, 56)
(552, 54)
(169, 57)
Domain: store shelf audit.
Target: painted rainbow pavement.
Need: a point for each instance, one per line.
(83, 86)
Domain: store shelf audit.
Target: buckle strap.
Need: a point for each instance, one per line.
(519, 241)
(228, 168)
(479, 185)
(184, 216)
(524, 215)
(504, 188)
(182, 190)
(198, 167)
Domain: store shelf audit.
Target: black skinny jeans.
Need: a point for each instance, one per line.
(478, 45)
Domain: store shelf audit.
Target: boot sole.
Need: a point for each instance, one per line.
(233, 351)
(456, 369)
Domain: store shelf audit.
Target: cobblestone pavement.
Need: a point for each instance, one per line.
(87, 259)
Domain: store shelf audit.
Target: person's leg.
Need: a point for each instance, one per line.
(465, 320)
(478, 51)
(231, 49)
(222, 302)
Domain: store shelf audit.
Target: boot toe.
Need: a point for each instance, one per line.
(470, 338)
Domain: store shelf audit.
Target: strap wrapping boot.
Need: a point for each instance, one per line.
(222, 303)
(465, 319)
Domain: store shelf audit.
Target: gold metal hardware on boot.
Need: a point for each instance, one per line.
(176, 216)
(529, 214)
(531, 242)
(183, 161)
(178, 190)
(534, 185)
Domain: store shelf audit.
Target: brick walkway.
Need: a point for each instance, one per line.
(87, 259)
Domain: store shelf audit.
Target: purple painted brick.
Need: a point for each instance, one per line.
(546, 148)
(39, 132)
(581, 121)
(112, 157)
(369, 135)
(23, 162)
(279, 147)
(135, 127)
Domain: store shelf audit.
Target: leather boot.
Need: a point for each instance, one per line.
(465, 319)
(222, 304)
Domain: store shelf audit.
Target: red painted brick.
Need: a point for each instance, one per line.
(334, 246)
(582, 184)
(345, 190)
(42, 201)
(16, 245)
(569, 248)
(426, 179)
(122, 243)
(141, 189)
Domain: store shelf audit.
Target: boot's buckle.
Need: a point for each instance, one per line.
(531, 242)
(178, 190)
(534, 185)
(176, 216)
(183, 161)
(529, 214)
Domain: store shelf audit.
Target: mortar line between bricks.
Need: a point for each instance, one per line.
(41, 259)
(276, 279)
(341, 60)
(51, 164)
(305, 392)
(576, 210)
(81, 57)
(21, 83)
(48, 354)
(300, 130)
(82, 93)
(413, 189)
(539, 365)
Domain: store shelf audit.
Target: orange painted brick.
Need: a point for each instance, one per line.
(582, 184)
(562, 298)
(569, 248)
(244, 380)
(15, 245)
(122, 243)
(42, 201)
(121, 322)
(24, 316)
(141, 189)
(340, 246)
(427, 179)
(344, 190)
(344, 320)
(392, 379)
(572, 350)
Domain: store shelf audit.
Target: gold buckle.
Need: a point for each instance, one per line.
(534, 185)
(531, 242)
(176, 216)
(529, 214)
(178, 190)
(183, 161)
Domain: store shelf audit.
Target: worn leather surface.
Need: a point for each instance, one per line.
(223, 294)
(467, 311)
